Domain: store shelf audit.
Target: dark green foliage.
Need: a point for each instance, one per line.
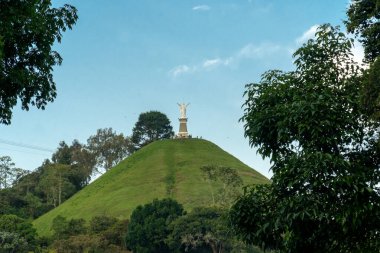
(254, 217)
(105, 234)
(79, 243)
(64, 228)
(115, 234)
(325, 194)
(28, 29)
(148, 227)
(99, 224)
(60, 227)
(202, 228)
(16, 230)
(12, 242)
(151, 126)
(371, 90)
(364, 21)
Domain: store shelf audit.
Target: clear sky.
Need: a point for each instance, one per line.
(124, 57)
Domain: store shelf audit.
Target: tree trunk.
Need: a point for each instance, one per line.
(214, 248)
(59, 188)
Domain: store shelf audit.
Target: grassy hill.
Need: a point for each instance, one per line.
(167, 168)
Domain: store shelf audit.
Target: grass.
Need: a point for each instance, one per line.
(167, 168)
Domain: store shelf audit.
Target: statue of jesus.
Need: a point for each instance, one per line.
(182, 109)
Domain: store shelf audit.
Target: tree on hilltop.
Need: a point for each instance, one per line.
(151, 126)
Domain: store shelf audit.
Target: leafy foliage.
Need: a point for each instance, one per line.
(55, 183)
(12, 242)
(364, 21)
(371, 90)
(81, 160)
(108, 148)
(148, 227)
(325, 194)
(28, 30)
(202, 228)
(151, 126)
(16, 234)
(101, 223)
(64, 228)
(105, 234)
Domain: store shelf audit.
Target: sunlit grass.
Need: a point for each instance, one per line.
(168, 168)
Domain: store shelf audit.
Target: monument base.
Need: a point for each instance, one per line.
(182, 133)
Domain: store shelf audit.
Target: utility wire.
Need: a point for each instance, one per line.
(18, 144)
(22, 151)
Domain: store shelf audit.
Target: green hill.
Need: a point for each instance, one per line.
(167, 168)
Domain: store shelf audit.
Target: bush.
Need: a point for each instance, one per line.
(148, 227)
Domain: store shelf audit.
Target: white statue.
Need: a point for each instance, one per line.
(182, 109)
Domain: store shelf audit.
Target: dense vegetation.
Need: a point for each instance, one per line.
(315, 125)
(31, 194)
(28, 30)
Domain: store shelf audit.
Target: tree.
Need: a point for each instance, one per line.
(203, 227)
(371, 90)
(8, 173)
(28, 30)
(148, 227)
(81, 160)
(151, 126)
(99, 224)
(55, 183)
(19, 230)
(364, 21)
(108, 148)
(325, 194)
(229, 181)
(12, 242)
(63, 228)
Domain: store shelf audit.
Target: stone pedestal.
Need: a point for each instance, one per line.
(182, 133)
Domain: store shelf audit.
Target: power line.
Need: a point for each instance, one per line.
(22, 151)
(19, 144)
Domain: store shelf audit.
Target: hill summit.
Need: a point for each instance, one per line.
(166, 168)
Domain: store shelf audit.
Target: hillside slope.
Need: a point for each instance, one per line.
(167, 168)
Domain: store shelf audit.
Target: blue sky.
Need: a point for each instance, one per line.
(125, 57)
